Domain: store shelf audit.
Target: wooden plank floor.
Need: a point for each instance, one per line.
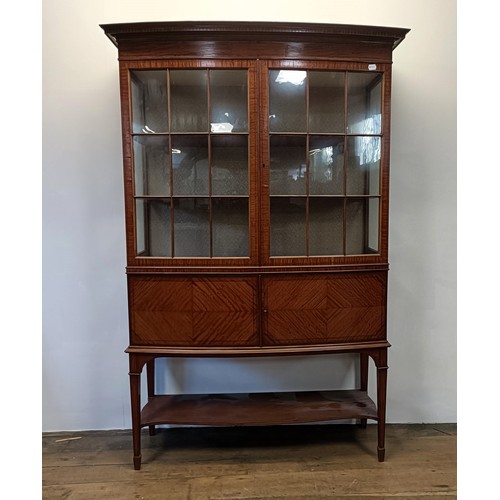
(287, 462)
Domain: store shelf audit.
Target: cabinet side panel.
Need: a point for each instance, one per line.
(333, 308)
(193, 312)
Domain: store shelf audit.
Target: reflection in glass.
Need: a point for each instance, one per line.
(364, 103)
(153, 228)
(326, 220)
(229, 155)
(189, 100)
(149, 101)
(191, 227)
(151, 165)
(326, 165)
(287, 101)
(230, 227)
(326, 101)
(287, 172)
(228, 101)
(362, 223)
(190, 165)
(363, 165)
(288, 226)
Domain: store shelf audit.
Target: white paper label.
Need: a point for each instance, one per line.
(372, 67)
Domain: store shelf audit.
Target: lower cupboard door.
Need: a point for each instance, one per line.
(193, 312)
(324, 309)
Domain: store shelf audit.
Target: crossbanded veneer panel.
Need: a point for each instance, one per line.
(333, 308)
(167, 311)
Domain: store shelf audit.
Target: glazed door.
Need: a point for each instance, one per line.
(323, 130)
(191, 176)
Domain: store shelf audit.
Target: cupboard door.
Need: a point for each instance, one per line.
(193, 312)
(322, 137)
(193, 166)
(333, 308)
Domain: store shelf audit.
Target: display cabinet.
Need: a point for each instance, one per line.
(256, 170)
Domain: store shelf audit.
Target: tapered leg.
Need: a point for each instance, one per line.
(381, 401)
(150, 373)
(363, 369)
(135, 401)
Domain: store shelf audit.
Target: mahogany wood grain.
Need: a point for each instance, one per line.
(258, 408)
(253, 39)
(256, 270)
(148, 352)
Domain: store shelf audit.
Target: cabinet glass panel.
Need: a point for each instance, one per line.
(153, 228)
(326, 165)
(326, 101)
(190, 165)
(288, 165)
(189, 100)
(363, 165)
(362, 223)
(192, 227)
(288, 226)
(228, 101)
(287, 101)
(326, 222)
(230, 227)
(152, 165)
(229, 162)
(149, 101)
(364, 103)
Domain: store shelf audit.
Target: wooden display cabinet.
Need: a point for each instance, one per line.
(256, 169)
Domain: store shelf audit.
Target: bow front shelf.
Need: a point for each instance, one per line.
(256, 171)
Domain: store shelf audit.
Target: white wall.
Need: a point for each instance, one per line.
(85, 382)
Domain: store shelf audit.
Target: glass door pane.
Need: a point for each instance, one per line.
(192, 227)
(288, 226)
(326, 226)
(288, 165)
(230, 227)
(228, 101)
(152, 165)
(326, 101)
(364, 103)
(149, 101)
(229, 165)
(190, 165)
(362, 226)
(189, 100)
(326, 165)
(153, 228)
(363, 165)
(287, 101)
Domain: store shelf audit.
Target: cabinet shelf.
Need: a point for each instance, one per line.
(258, 408)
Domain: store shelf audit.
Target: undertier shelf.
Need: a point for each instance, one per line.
(258, 408)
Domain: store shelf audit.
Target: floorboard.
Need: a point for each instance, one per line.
(282, 462)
